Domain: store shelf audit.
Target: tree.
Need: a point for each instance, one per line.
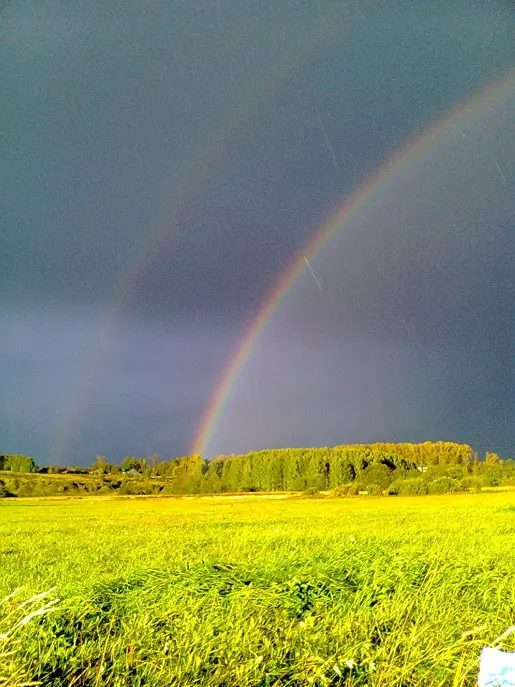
(341, 468)
(211, 481)
(317, 472)
(492, 474)
(129, 463)
(408, 487)
(17, 463)
(444, 485)
(100, 466)
(376, 473)
(189, 473)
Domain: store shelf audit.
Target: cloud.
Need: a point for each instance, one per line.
(165, 166)
(79, 384)
(411, 332)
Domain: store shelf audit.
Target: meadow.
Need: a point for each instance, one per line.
(254, 591)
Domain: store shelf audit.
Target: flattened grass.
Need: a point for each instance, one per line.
(259, 592)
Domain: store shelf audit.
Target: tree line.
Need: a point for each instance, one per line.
(379, 468)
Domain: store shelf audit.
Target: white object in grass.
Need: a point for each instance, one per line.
(496, 669)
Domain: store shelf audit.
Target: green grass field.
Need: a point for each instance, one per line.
(255, 591)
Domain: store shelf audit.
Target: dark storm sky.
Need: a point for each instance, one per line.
(164, 161)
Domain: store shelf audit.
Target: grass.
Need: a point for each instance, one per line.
(255, 591)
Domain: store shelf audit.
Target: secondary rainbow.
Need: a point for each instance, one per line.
(492, 94)
(204, 164)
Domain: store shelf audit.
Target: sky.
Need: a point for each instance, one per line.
(165, 162)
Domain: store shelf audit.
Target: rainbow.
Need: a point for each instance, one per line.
(202, 165)
(490, 95)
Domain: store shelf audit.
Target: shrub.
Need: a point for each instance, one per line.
(408, 487)
(405, 474)
(349, 489)
(393, 489)
(376, 474)
(456, 472)
(472, 483)
(311, 491)
(126, 489)
(168, 490)
(17, 463)
(27, 489)
(492, 475)
(135, 488)
(444, 485)
(434, 472)
(4, 491)
(374, 489)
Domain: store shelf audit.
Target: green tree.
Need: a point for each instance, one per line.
(211, 480)
(317, 472)
(100, 466)
(492, 474)
(189, 473)
(128, 463)
(17, 463)
(444, 485)
(138, 464)
(4, 491)
(408, 487)
(376, 473)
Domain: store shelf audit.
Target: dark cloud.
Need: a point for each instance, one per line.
(411, 332)
(171, 158)
(80, 385)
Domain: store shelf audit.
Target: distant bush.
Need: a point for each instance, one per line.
(17, 463)
(374, 489)
(393, 489)
(349, 489)
(135, 488)
(168, 490)
(126, 489)
(376, 474)
(408, 487)
(492, 475)
(444, 485)
(456, 472)
(311, 491)
(472, 483)
(341, 490)
(405, 474)
(36, 486)
(4, 491)
(25, 489)
(434, 472)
